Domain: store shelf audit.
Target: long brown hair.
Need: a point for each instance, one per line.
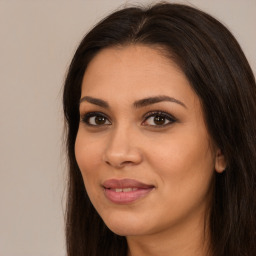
(219, 73)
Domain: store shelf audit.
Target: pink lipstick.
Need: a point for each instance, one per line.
(126, 190)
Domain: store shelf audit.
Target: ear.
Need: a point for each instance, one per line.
(220, 162)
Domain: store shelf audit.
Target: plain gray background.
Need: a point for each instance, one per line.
(38, 39)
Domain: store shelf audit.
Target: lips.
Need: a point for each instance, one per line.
(125, 191)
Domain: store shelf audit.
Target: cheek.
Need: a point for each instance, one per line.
(182, 159)
(87, 155)
(88, 158)
(185, 167)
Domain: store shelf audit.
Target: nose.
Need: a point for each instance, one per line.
(122, 149)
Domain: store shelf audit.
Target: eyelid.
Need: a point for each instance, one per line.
(84, 117)
(168, 116)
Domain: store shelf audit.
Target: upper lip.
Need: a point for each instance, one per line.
(124, 183)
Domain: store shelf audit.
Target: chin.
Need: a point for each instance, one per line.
(125, 230)
(125, 225)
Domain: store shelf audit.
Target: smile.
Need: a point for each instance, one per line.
(125, 191)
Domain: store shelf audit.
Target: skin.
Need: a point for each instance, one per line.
(178, 159)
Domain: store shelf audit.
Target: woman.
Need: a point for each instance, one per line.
(160, 105)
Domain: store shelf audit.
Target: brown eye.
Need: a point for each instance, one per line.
(158, 119)
(95, 119)
(100, 120)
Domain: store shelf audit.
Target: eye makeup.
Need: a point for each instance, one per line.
(95, 119)
(155, 119)
(158, 119)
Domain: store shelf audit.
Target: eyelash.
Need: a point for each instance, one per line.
(161, 114)
(166, 117)
(85, 118)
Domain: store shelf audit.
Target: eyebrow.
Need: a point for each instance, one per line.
(152, 100)
(137, 104)
(95, 101)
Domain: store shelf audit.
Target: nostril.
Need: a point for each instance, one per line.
(121, 158)
(119, 165)
(107, 162)
(127, 163)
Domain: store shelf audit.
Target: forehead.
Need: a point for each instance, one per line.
(134, 71)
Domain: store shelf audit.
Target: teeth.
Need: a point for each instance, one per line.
(124, 189)
(127, 189)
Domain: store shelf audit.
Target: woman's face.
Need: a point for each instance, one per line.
(142, 146)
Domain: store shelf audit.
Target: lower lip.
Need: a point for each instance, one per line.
(126, 197)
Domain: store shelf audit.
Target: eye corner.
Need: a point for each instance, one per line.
(103, 119)
(161, 119)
